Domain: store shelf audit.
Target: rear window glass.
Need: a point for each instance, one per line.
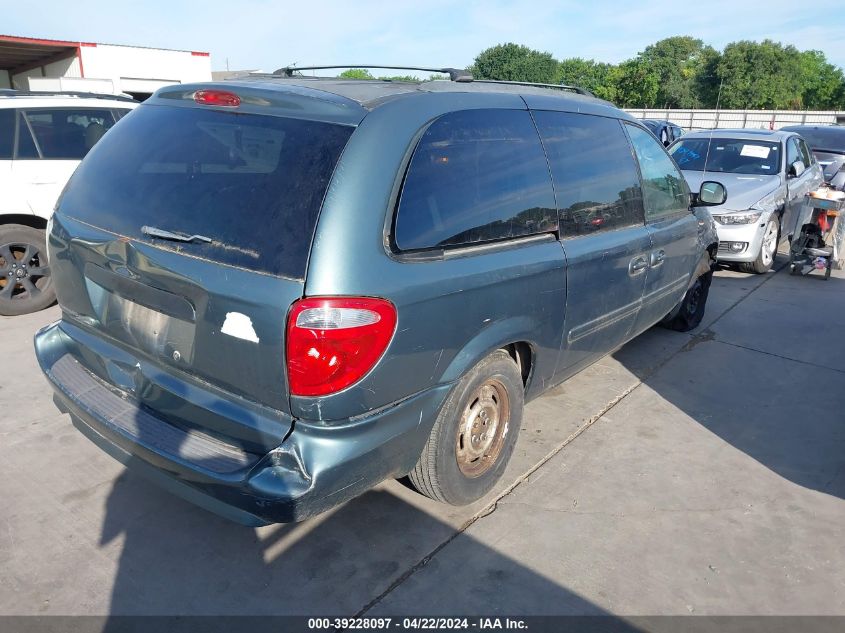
(251, 184)
(476, 176)
(820, 138)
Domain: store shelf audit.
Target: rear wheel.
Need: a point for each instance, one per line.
(25, 283)
(474, 434)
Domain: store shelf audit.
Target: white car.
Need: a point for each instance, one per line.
(43, 136)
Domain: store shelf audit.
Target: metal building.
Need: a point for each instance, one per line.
(37, 64)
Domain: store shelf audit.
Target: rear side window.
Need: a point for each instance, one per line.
(594, 172)
(476, 176)
(7, 133)
(252, 184)
(68, 133)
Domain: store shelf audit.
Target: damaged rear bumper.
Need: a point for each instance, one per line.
(316, 466)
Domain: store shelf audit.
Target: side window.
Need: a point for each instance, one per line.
(665, 191)
(792, 152)
(68, 133)
(26, 146)
(476, 176)
(593, 170)
(7, 133)
(806, 156)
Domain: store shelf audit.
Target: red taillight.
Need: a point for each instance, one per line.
(333, 342)
(217, 98)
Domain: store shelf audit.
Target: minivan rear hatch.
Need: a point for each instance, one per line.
(183, 239)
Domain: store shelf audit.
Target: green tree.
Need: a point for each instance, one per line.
(636, 84)
(513, 62)
(706, 81)
(823, 84)
(597, 77)
(356, 73)
(677, 61)
(764, 75)
(400, 78)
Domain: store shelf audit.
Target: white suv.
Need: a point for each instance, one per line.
(43, 136)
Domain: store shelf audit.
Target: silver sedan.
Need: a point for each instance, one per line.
(767, 174)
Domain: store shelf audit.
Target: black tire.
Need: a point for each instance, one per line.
(25, 282)
(445, 471)
(693, 305)
(761, 265)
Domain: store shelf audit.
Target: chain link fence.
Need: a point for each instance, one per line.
(756, 119)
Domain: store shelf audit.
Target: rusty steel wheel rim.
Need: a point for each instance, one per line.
(482, 429)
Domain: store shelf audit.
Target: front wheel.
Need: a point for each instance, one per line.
(768, 249)
(474, 434)
(693, 305)
(25, 283)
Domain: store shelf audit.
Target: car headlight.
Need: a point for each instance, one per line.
(738, 218)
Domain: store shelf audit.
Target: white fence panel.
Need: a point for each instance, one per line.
(765, 119)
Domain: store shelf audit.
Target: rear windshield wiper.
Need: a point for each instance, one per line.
(170, 235)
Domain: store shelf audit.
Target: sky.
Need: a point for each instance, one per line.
(264, 34)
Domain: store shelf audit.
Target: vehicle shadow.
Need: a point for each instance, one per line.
(179, 560)
(767, 376)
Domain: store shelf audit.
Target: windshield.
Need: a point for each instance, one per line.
(250, 185)
(727, 155)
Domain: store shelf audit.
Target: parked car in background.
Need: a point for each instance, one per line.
(767, 173)
(666, 131)
(827, 143)
(43, 136)
(276, 293)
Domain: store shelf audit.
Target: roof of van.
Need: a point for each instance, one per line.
(370, 93)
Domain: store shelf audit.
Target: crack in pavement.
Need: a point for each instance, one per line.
(706, 335)
(639, 513)
(789, 358)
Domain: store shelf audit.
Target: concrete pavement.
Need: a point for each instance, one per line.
(687, 473)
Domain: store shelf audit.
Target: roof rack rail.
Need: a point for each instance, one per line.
(576, 89)
(455, 74)
(5, 92)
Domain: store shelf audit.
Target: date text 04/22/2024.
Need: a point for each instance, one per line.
(416, 623)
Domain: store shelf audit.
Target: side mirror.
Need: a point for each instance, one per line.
(711, 194)
(796, 169)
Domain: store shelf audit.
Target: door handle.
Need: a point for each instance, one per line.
(657, 258)
(637, 265)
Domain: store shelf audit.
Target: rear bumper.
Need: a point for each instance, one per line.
(316, 467)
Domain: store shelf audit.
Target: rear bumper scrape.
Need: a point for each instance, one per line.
(315, 468)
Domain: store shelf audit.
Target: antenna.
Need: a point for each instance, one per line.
(710, 138)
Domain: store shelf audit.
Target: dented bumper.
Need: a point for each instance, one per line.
(315, 467)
